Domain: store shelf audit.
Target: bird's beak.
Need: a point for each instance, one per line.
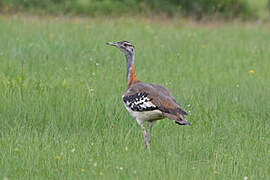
(112, 44)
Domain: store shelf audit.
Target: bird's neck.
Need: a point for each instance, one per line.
(131, 73)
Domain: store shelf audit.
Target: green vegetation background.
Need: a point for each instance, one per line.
(62, 117)
(227, 9)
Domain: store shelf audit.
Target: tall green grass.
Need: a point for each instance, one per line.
(61, 114)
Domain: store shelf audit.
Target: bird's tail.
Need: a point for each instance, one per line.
(177, 118)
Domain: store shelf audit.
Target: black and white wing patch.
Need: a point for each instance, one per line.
(139, 102)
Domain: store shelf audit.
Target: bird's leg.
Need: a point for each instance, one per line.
(151, 123)
(145, 136)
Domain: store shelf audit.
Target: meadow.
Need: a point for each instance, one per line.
(62, 117)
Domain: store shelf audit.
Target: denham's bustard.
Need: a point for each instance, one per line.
(147, 102)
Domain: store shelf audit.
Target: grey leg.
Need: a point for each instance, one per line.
(145, 136)
(151, 124)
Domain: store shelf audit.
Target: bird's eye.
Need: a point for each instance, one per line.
(125, 45)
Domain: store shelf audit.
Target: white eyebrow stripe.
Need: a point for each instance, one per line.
(127, 43)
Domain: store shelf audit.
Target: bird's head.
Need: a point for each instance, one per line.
(126, 47)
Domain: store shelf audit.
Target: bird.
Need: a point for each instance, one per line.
(147, 102)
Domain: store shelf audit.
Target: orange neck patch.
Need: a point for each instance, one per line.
(132, 76)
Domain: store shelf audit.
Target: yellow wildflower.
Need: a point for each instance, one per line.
(251, 71)
(57, 157)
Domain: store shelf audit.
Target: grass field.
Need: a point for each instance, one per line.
(62, 117)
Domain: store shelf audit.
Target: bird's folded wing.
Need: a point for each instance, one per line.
(139, 102)
(143, 101)
(167, 104)
(145, 96)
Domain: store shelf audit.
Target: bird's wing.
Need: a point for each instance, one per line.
(139, 101)
(155, 96)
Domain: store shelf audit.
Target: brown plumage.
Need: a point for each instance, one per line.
(146, 101)
(161, 98)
